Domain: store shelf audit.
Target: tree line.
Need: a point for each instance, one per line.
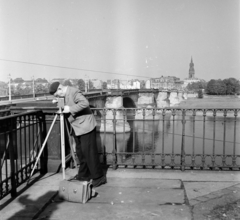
(229, 86)
(42, 85)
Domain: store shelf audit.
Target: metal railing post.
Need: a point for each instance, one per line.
(44, 155)
(183, 141)
(204, 129)
(104, 138)
(214, 137)
(143, 136)
(124, 138)
(114, 154)
(193, 140)
(134, 137)
(12, 162)
(153, 137)
(173, 131)
(163, 133)
(234, 137)
(224, 138)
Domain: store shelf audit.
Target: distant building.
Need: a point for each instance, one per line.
(123, 84)
(130, 84)
(164, 82)
(191, 75)
(97, 84)
(109, 83)
(135, 84)
(26, 83)
(113, 84)
(3, 89)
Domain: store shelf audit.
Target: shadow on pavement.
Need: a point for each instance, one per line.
(31, 209)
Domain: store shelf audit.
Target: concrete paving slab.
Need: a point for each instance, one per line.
(197, 189)
(193, 202)
(126, 199)
(238, 185)
(36, 193)
(50, 179)
(33, 199)
(210, 196)
(150, 183)
(235, 187)
(202, 210)
(138, 195)
(27, 205)
(146, 194)
(187, 175)
(101, 211)
(202, 199)
(20, 218)
(19, 210)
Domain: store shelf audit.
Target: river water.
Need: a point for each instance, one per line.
(164, 136)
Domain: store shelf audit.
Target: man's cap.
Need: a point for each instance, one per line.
(53, 87)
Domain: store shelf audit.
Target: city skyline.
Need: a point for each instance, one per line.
(136, 39)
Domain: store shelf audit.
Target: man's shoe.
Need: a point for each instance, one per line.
(99, 181)
(81, 178)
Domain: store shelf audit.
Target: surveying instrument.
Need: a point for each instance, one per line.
(60, 105)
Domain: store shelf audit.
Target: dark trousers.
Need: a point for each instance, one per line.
(87, 152)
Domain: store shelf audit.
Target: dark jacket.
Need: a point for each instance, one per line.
(81, 118)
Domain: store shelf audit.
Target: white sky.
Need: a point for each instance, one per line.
(148, 38)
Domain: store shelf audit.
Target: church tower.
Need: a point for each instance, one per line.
(191, 70)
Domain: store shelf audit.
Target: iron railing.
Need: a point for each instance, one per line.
(170, 138)
(20, 138)
(4, 112)
(173, 138)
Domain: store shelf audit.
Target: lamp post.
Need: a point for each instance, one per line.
(9, 93)
(33, 87)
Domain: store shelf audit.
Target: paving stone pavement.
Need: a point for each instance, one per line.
(203, 205)
(131, 194)
(127, 199)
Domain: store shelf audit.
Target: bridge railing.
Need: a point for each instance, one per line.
(20, 140)
(170, 138)
(16, 97)
(4, 112)
(89, 94)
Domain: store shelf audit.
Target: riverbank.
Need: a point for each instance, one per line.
(211, 102)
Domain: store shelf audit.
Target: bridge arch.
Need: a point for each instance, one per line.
(128, 103)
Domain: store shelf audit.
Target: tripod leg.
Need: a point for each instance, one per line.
(44, 143)
(62, 143)
(71, 146)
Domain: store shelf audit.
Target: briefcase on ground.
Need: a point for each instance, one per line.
(75, 191)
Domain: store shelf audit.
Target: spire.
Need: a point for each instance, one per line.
(191, 74)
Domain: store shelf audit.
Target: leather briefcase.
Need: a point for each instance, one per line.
(75, 191)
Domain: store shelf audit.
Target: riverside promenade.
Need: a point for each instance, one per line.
(133, 194)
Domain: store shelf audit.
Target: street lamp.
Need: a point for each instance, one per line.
(9, 93)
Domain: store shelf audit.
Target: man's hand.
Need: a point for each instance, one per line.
(66, 109)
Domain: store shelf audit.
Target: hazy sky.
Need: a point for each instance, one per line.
(147, 38)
